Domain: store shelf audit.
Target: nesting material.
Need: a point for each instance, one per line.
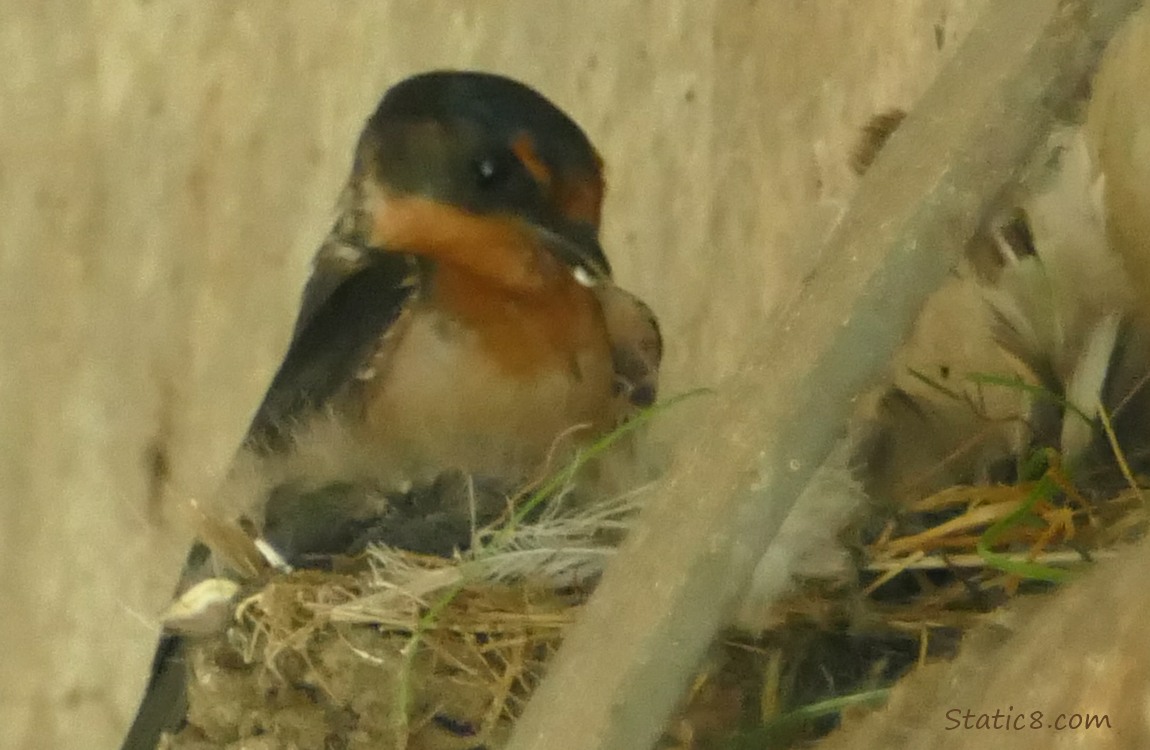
(994, 483)
(1068, 671)
(347, 660)
(393, 649)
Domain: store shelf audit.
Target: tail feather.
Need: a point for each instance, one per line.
(164, 706)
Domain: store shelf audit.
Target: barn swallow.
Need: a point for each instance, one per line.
(460, 321)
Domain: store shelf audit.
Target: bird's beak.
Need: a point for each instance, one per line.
(577, 247)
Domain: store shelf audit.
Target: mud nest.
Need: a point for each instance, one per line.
(409, 651)
(326, 660)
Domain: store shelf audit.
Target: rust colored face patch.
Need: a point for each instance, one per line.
(524, 149)
(578, 197)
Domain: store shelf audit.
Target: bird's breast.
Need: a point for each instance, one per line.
(481, 378)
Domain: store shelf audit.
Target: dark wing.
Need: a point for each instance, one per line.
(350, 300)
(346, 307)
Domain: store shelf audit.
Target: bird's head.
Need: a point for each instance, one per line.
(482, 171)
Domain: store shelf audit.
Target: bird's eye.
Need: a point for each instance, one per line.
(489, 172)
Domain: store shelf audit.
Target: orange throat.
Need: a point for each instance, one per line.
(494, 276)
(555, 327)
(500, 248)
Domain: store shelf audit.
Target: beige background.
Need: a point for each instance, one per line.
(166, 169)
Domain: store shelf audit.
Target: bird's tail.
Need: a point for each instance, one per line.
(164, 705)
